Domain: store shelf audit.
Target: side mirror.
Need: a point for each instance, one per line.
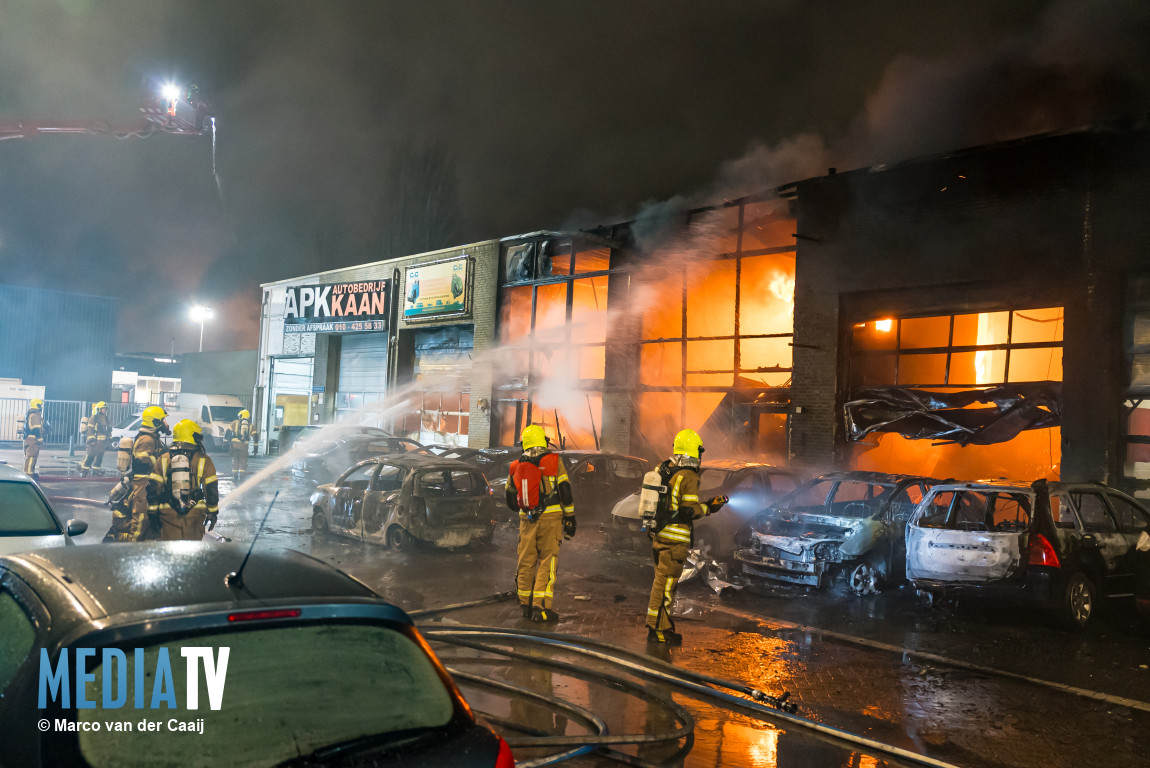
(76, 527)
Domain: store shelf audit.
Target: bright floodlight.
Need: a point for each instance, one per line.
(199, 314)
(170, 91)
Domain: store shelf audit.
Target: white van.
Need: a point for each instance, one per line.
(214, 414)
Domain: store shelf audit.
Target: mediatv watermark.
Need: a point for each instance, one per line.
(71, 675)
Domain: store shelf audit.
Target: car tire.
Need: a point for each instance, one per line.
(399, 539)
(864, 578)
(319, 524)
(1079, 601)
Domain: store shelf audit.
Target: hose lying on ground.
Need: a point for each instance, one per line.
(776, 709)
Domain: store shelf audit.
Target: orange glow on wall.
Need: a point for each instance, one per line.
(1036, 453)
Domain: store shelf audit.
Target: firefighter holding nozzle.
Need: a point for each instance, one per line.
(538, 489)
(669, 504)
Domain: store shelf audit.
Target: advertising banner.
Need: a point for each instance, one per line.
(437, 289)
(337, 308)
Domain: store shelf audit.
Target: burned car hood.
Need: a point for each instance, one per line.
(797, 532)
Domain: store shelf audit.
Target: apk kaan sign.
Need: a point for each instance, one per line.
(337, 308)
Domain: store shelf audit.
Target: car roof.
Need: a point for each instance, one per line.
(13, 475)
(583, 453)
(867, 476)
(413, 460)
(111, 579)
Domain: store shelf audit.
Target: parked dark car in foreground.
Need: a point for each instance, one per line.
(378, 697)
(27, 520)
(843, 522)
(751, 487)
(324, 456)
(401, 499)
(1056, 546)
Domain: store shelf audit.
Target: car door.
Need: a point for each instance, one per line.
(588, 485)
(347, 506)
(973, 535)
(895, 517)
(1133, 520)
(382, 499)
(625, 478)
(1103, 545)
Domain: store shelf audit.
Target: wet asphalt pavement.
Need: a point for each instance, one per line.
(974, 686)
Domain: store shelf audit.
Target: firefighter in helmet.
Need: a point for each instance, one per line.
(192, 490)
(33, 436)
(538, 489)
(240, 434)
(96, 435)
(149, 473)
(673, 531)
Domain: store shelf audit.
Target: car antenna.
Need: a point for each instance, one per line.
(236, 577)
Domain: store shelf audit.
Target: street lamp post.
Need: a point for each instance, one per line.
(202, 314)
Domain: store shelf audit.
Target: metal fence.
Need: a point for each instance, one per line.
(62, 417)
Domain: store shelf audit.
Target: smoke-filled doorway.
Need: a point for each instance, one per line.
(970, 396)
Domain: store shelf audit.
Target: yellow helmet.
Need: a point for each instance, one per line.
(97, 407)
(245, 415)
(187, 431)
(153, 416)
(36, 403)
(688, 443)
(534, 437)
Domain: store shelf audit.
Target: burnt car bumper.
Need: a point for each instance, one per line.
(779, 565)
(1040, 588)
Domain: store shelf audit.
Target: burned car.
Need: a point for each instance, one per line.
(843, 522)
(400, 500)
(752, 487)
(1055, 546)
(324, 456)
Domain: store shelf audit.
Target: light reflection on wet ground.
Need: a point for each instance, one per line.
(968, 718)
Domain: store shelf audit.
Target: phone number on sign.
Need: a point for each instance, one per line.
(342, 327)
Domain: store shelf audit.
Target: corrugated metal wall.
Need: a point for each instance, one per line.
(63, 341)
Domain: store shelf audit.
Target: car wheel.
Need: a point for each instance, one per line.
(1078, 600)
(864, 578)
(399, 539)
(319, 522)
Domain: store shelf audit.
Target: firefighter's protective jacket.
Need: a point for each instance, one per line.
(685, 507)
(150, 458)
(97, 427)
(34, 424)
(241, 430)
(554, 493)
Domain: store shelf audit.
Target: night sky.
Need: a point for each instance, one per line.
(339, 121)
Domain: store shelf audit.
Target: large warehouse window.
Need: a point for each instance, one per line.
(960, 351)
(716, 327)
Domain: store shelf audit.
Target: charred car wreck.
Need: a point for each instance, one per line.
(843, 522)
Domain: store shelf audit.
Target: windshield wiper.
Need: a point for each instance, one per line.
(340, 749)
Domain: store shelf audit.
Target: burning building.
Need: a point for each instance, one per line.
(978, 314)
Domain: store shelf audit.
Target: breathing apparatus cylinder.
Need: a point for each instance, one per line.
(653, 488)
(124, 454)
(182, 481)
(120, 491)
(83, 425)
(21, 422)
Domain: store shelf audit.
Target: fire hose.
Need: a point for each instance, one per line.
(760, 704)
